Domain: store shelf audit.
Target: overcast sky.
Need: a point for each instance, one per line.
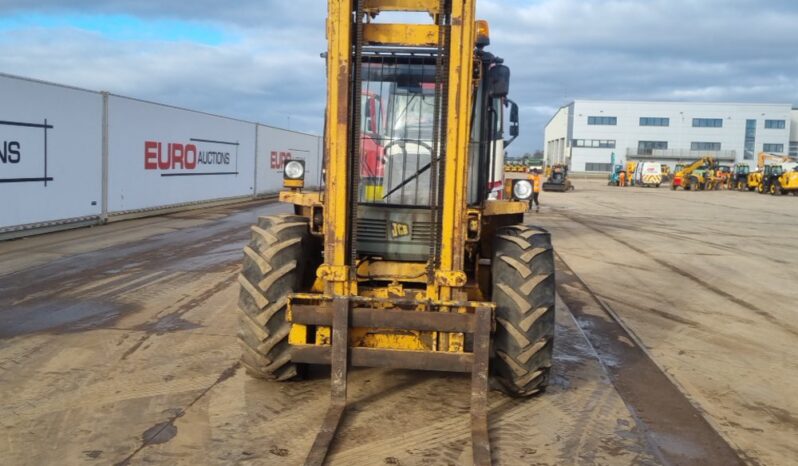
(259, 59)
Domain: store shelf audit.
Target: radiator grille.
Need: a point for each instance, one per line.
(421, 231)
(372, 229)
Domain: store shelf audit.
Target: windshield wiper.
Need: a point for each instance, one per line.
(408, 180)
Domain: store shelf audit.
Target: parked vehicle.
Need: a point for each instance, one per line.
(365, 263)
(696, 176)
(558, 181)
(648, 174)
(739, 176)
(769, 175)
(786, 183)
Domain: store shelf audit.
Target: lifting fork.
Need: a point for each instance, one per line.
(480, 324)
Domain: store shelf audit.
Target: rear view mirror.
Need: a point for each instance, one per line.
(499, 81)
(513, 119)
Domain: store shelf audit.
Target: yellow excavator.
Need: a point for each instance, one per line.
(697, 176)
(406, 259)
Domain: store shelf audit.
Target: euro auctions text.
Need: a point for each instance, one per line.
(177, 156)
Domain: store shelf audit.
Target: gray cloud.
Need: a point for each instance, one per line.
(558, 50)
(654, 49)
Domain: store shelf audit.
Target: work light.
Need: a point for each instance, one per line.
(294, 170)
(522, 190)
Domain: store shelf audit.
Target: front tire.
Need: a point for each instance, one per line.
(278, 260)
(523, 290)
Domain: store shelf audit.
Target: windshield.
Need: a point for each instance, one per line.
(398, 110)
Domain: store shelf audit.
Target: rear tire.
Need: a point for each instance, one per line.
(278, 260)
(523, 290)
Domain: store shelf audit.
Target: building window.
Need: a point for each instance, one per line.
(794, 148)
(707, 123)
(708, 146)
(775, 124)
(653, 121)
(598, 167)
(602, 120)
(597, 143)
(750, 140)
(648, 147)
(778, 148)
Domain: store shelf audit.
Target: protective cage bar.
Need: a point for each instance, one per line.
(341, 315)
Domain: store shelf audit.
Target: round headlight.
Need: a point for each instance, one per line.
(294, 170)
(522, 190)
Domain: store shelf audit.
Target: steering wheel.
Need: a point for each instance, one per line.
(402, 145)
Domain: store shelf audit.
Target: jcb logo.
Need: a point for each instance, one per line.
(399, 230)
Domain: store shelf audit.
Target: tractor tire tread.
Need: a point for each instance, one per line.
(523, 290)
(274, 266)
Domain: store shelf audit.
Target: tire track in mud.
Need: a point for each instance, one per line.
(675, 428)
(159, 252)
(694, 278)
(94, 289)
(685, 236)
(716, 205)
(165, 431)
(580, 419)
(160, 324)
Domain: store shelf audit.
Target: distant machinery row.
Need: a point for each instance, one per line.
(585, 133)
(774, 174)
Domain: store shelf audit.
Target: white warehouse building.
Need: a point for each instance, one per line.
(586, 133)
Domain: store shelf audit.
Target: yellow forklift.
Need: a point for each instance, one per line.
(405, 259)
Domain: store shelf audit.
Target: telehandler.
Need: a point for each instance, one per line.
(770, 167)
(405, 259)
(786, 182)
(697, 176)
(767, 182)
(739, 176)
